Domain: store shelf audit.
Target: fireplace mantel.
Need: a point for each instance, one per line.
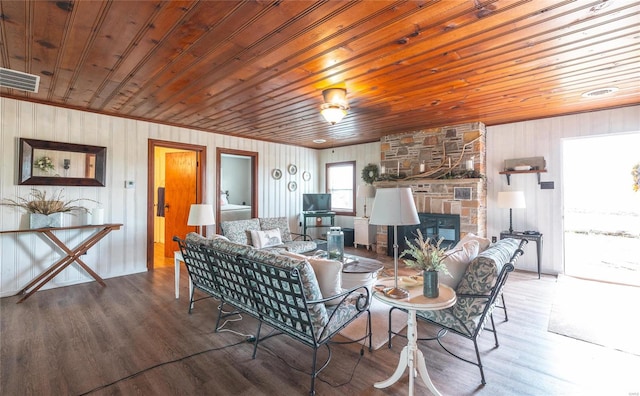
(422, 181)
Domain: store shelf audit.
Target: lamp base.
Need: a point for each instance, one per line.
(396, 292)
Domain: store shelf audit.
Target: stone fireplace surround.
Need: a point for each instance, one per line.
(433, 147)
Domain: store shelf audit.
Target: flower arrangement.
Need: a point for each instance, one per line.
(635, 172)
(45, 164)
(42, 204)
(425, 256)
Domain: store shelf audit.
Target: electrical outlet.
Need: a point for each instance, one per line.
(129, 184)
(494, 239)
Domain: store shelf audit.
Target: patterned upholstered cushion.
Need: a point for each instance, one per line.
(238, 230)
(196, 238)
(300, 246)
(481, 273)
(281, 223)
(310, 286)
(479, 278)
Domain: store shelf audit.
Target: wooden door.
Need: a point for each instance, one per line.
(180, 193)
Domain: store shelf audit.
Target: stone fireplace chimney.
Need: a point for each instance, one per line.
(444, 153)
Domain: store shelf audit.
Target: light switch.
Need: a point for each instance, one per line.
(129, 184)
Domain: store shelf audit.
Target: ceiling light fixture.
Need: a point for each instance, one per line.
(335, 105)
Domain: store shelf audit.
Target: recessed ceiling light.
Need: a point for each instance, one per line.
(319, 141)
(599, 92)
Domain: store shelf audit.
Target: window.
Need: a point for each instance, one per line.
(341, 184)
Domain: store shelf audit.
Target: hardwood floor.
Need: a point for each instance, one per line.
(134, 337)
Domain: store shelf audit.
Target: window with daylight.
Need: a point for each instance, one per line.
(341, 184)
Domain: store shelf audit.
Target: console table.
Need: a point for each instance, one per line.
(71, 255)
(537, 238)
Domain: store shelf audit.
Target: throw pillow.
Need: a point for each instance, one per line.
(484, 242)
(223, 199)
(328, 273)
(268, 238)
(458, 262)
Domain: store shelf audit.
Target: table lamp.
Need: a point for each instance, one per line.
(201, 215)
(394, 207)
(366, 191)
(511, 200)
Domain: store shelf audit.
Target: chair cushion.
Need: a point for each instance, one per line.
(238, 231)
(484, 242)
(457, 263)
(311, 290)
(481, 274)
(300, 246)
(328, 273)
(264, 239)
(280, 223)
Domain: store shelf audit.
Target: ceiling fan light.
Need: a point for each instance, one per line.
(335, 105)
(332, 113)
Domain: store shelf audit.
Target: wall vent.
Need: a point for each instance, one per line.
(19, 80)
(599, 92)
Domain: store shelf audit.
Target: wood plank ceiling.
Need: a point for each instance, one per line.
(257, 69)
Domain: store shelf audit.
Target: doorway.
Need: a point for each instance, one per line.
(237, 185)
(601, 210)
(175, 181)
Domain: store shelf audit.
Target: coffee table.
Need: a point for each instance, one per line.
(360, 271)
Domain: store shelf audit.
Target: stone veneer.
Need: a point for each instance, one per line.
(433, 147)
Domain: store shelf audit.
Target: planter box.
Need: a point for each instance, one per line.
(37, 220)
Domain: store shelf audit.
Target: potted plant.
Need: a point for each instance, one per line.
(428, 258)
(44, 210)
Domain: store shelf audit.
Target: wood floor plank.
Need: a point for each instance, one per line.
(134, 332)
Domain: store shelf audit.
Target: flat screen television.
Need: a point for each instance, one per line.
(316, 202)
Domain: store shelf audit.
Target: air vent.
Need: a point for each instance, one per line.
(19, 80)
(599, 92)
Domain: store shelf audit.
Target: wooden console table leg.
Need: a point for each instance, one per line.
(71, 256)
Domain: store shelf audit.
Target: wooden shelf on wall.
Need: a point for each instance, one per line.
(509, 173)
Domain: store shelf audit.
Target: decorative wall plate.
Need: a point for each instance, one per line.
(276, 174)
(292, 169)
(306, 176)
(293, 186)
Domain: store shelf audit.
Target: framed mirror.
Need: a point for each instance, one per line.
(42, 162)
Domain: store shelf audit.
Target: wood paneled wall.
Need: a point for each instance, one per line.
(544, 138)
(123, 252)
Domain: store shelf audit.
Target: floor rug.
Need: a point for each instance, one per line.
(600, 313)
(379, 324)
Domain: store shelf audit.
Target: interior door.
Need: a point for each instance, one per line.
(180, 193)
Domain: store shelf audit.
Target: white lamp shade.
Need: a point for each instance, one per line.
(511, 200)
(394, 206)
(366, 191)
(201, 215)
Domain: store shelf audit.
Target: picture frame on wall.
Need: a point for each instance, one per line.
(462, 193)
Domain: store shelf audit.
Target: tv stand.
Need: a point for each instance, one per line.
(317, 223)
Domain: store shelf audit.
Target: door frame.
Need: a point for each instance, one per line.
(201, 153)
(254, 180)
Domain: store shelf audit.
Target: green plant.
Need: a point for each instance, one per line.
(426, 256)
(370, 173)
(44, 164)
(40, 203)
